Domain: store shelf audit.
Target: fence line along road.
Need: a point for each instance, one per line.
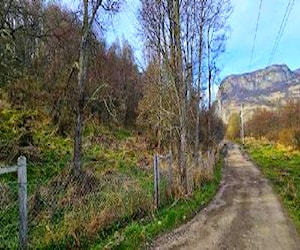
(21, 169)
(6, 170)
(156, 176)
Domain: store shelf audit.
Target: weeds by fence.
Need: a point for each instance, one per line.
(156, 167)
(167, 177)
(67, 211)
(22, 198)
(72, 211)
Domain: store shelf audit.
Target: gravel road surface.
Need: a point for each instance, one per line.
(245, 214)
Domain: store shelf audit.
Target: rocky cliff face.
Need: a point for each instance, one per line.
(297, 71)
(267, 88)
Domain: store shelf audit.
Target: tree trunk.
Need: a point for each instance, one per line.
(183, 97)
(159, 83)
(82, 75)
(199, 85)
(209, 84)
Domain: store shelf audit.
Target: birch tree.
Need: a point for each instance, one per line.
(175, 33)
(201, 21)
(166, 42)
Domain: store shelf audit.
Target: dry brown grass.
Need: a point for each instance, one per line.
(71, 207)
(6, 195)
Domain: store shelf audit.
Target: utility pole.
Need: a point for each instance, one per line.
(242, 124)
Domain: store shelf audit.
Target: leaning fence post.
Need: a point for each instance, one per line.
(22, 197)
(156, 180)
(170, 173)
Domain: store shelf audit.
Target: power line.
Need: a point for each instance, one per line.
(281, 29)
(255, 34)
(278, 37)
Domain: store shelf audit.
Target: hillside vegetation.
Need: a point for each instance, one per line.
(90, 118)
(89, 121)
(114, 191)
(115, 184)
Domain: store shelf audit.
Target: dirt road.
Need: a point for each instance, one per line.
(245, 214)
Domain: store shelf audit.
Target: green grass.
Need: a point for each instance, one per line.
(111, 204)
(282, 167)
(122, 134)
(138, 234)
(62, 211)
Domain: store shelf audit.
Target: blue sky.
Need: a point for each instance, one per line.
(236, 59)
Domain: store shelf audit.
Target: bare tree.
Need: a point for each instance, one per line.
(167, 40)
(216, 35)
(173, 29)
(90, 10)
(201, 21)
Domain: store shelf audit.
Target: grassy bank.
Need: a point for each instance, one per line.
(138, 234)
(110, 204)
(115, 184)
(282, 166)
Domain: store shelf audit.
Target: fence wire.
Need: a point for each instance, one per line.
(8, 212)
(199, 171)
(68, 210)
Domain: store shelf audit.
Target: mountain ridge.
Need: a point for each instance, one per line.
(297, 71)
(267, 88)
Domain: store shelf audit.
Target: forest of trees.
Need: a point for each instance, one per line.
(90, 121)
(57, 61)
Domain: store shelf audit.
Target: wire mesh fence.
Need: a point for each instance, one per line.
(9, 212)
(167, 177)
(69, 210)
(73, 210)
(13, 191)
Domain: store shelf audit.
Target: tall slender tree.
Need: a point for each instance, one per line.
(216, 35)
(173, 29)
(90, 10)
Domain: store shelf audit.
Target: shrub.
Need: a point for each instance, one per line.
(297, 139)
(233, 127)
(289, 137)
(286, 136)
(16, 134)
(278, 125)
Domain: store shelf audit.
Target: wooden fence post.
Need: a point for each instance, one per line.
(170, 173)
(156, 180)
(208, 159)
(22, 197)
(213, 159)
